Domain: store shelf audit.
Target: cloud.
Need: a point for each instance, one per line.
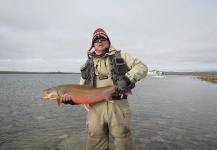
(55, 35)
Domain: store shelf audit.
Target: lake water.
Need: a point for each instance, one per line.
(172, 113)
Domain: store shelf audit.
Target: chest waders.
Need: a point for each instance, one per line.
(103, 117)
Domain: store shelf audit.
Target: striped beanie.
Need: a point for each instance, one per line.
(99, 32)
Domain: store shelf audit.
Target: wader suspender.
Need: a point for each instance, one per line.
(88, 72)
(118, 66)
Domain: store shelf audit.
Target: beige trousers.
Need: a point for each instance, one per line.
(104, 118)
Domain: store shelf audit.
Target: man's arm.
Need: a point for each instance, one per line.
(138, 70)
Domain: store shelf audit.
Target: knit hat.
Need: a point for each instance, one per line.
(99, 32)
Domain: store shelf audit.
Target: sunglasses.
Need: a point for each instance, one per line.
(101, 38)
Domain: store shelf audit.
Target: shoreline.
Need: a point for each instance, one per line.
(192, 73)
(203, 76)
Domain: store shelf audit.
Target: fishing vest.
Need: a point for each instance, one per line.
(117, 65)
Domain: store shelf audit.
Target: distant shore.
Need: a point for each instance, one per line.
(165, 73)
(26, 72)
(204, 76)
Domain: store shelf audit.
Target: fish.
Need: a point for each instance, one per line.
(80, 94)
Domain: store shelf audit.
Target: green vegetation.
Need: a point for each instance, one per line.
(209, 78)
(203, 76)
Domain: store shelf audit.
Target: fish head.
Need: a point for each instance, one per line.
(50, 94)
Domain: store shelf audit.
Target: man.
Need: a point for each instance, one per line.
(106, 66)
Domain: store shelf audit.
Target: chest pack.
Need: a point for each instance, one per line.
(117, 65)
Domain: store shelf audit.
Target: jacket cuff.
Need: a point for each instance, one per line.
(127, 80)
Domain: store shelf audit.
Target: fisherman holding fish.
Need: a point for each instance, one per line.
(107, 66)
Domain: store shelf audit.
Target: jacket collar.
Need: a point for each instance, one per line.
(107, 52)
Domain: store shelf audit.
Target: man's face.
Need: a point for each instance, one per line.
(100, 44)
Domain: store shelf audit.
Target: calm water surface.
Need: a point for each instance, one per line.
(172, 113)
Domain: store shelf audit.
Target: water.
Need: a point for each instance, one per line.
(176, 112)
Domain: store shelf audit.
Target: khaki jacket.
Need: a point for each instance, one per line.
(137, 69)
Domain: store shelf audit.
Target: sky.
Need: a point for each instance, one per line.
(54, 35)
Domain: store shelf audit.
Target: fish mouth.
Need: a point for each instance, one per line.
(49, 94)
(45, 98)
(46, 95)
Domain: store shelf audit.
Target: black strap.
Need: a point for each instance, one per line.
(119, 97)
(69, 102)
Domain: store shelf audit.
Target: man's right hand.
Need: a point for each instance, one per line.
(122, 85)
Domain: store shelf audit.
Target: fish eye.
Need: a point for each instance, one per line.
(48, 92)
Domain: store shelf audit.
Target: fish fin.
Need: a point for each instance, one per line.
(109, 99)
(87, 107)
(59, 102)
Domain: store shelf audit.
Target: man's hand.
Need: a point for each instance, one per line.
(66, 99)
(122, 85)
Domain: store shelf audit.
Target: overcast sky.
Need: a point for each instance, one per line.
(54, 35)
